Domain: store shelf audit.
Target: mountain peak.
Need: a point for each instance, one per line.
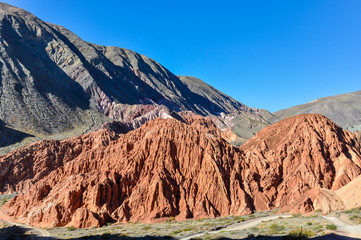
(7, 9)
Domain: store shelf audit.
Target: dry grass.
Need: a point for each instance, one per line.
(311, 226)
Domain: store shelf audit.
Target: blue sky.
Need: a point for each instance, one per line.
(266, 54)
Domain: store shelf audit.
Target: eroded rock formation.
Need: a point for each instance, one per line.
(302, 154)
(182, 169)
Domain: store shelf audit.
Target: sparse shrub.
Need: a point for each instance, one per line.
(301, 233)
(318, 211)
(238, 218)
(331, 227)
(188, 229)
(275, 228)
(176, 232)
(4, 200)
(309, 223)
(147, 227)
(296, 215)
(354, 217)
(317, 228)
(71, 228)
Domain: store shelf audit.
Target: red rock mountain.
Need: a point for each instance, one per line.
(172, 168)
(301, 155)
(165, 168)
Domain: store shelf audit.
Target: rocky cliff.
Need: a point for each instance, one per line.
(182, 169)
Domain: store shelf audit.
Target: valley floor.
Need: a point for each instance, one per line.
(261, 225)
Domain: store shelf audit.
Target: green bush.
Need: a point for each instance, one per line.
(353, 217)
(170, 219)
(188, 229)
(274, 228)
(309, 223)
(239, 218)
(71, 228)
(176, 232)
(4, 200)
(301, 233)
(317, 228)
(331, 227)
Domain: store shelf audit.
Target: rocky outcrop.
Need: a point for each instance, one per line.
(25, 166)
(182, 169)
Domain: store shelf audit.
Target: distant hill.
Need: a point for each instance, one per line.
(52, 83)
(344, 109)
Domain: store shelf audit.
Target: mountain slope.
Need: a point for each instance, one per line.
(243, 124)
(169, 168)
(344, 109)
(302, 155)
(53, 82)
(164, 168)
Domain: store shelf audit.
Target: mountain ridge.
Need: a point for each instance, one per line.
(343, 109)
(55, 83)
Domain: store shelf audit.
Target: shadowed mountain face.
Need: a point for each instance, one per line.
(51, 81)
(344, 109)
(12, 135)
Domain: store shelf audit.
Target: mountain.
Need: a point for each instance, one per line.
(181, 169)
(303, 156)
(242, 124)
(54, 84)
(344, 109)
(164, 168)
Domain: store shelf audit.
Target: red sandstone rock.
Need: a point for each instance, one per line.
(165, 168)
(298, 155)
(23, 167)
(184, 170)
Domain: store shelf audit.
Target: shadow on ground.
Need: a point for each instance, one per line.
(10, 136)
(19, 233)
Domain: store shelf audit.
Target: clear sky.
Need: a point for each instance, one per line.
(270, 54)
